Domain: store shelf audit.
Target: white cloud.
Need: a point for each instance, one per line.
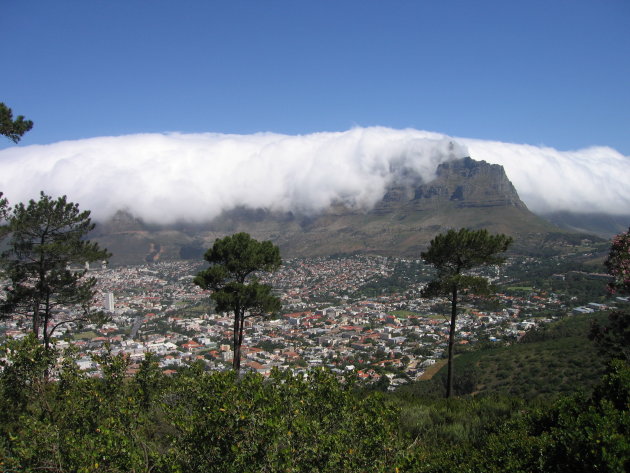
(193, 177)
(547, 180)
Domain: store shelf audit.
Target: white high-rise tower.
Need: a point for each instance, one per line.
(109, 301)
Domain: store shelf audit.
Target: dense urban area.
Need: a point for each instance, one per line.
(360, 314)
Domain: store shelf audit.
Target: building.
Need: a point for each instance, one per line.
(108, 301)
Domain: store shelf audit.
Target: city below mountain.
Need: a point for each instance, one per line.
(464, 193)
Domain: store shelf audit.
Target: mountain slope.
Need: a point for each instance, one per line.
(603, 225)
(464, 193)
(550, 361)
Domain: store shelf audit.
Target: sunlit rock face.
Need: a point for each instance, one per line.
(462, 183)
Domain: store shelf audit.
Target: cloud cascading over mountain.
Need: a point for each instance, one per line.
(165, 178)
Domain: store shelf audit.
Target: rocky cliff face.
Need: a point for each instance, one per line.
(464, 193)
(465, 183)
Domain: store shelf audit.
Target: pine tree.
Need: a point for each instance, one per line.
(235, 261)
(453, 254)
(46, 238)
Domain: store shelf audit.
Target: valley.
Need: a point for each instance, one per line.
(358, 314)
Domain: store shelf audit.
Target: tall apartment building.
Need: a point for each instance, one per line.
(109, 301)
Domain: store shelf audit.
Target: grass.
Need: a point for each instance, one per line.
(402, 314)
(85, 335)
(433, 369)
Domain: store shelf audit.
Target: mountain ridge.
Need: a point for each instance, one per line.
(464, 193)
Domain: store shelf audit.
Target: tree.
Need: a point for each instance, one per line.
(613, 339)
(235, 262)
(618, 264)
(13, 129)
(46, 238)
(4, 215)
(453, 254)
(4, 208)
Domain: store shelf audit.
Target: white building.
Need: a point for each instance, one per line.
(108, 301)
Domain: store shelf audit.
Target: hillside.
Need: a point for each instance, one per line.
(553, 360)
(464, 193)
(603, 225)
(209, 421)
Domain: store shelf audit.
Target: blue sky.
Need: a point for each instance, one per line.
(554, 72)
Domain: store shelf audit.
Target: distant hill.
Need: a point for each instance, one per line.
(603, 225)
(464, 193)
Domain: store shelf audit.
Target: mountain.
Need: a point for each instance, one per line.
(603, 225)
(464, 193)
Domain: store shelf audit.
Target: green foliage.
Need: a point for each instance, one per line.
(613, 338)
(618, 264)
(55, 418)
(553, 360)
(578, 285)
(46, 237)
(4, 212)
(579, 288)
(404, 274)
(75, 423)
(576, 434)
(235, 261)
(23, 365)
(196, 421)
(434, 423)
(284, 424)
(269, 345)
(452, 254)
(236, 257)
(457, 251)
(13, 129)
(580, 434)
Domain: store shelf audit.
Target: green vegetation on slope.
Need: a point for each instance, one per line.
(555, 359)
(197, 421)
(194, 422)
(577, 433)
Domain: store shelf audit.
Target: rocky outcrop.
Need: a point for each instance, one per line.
(472, 183)
(464, 183)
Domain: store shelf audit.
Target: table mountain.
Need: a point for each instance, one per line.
(464, 193)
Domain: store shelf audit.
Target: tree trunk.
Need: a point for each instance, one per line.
(451, 340)
(36, 319)
(40, 289)
(240, 340)
(236, 346)
(46, 335)
(236, 360)
(46, 321)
